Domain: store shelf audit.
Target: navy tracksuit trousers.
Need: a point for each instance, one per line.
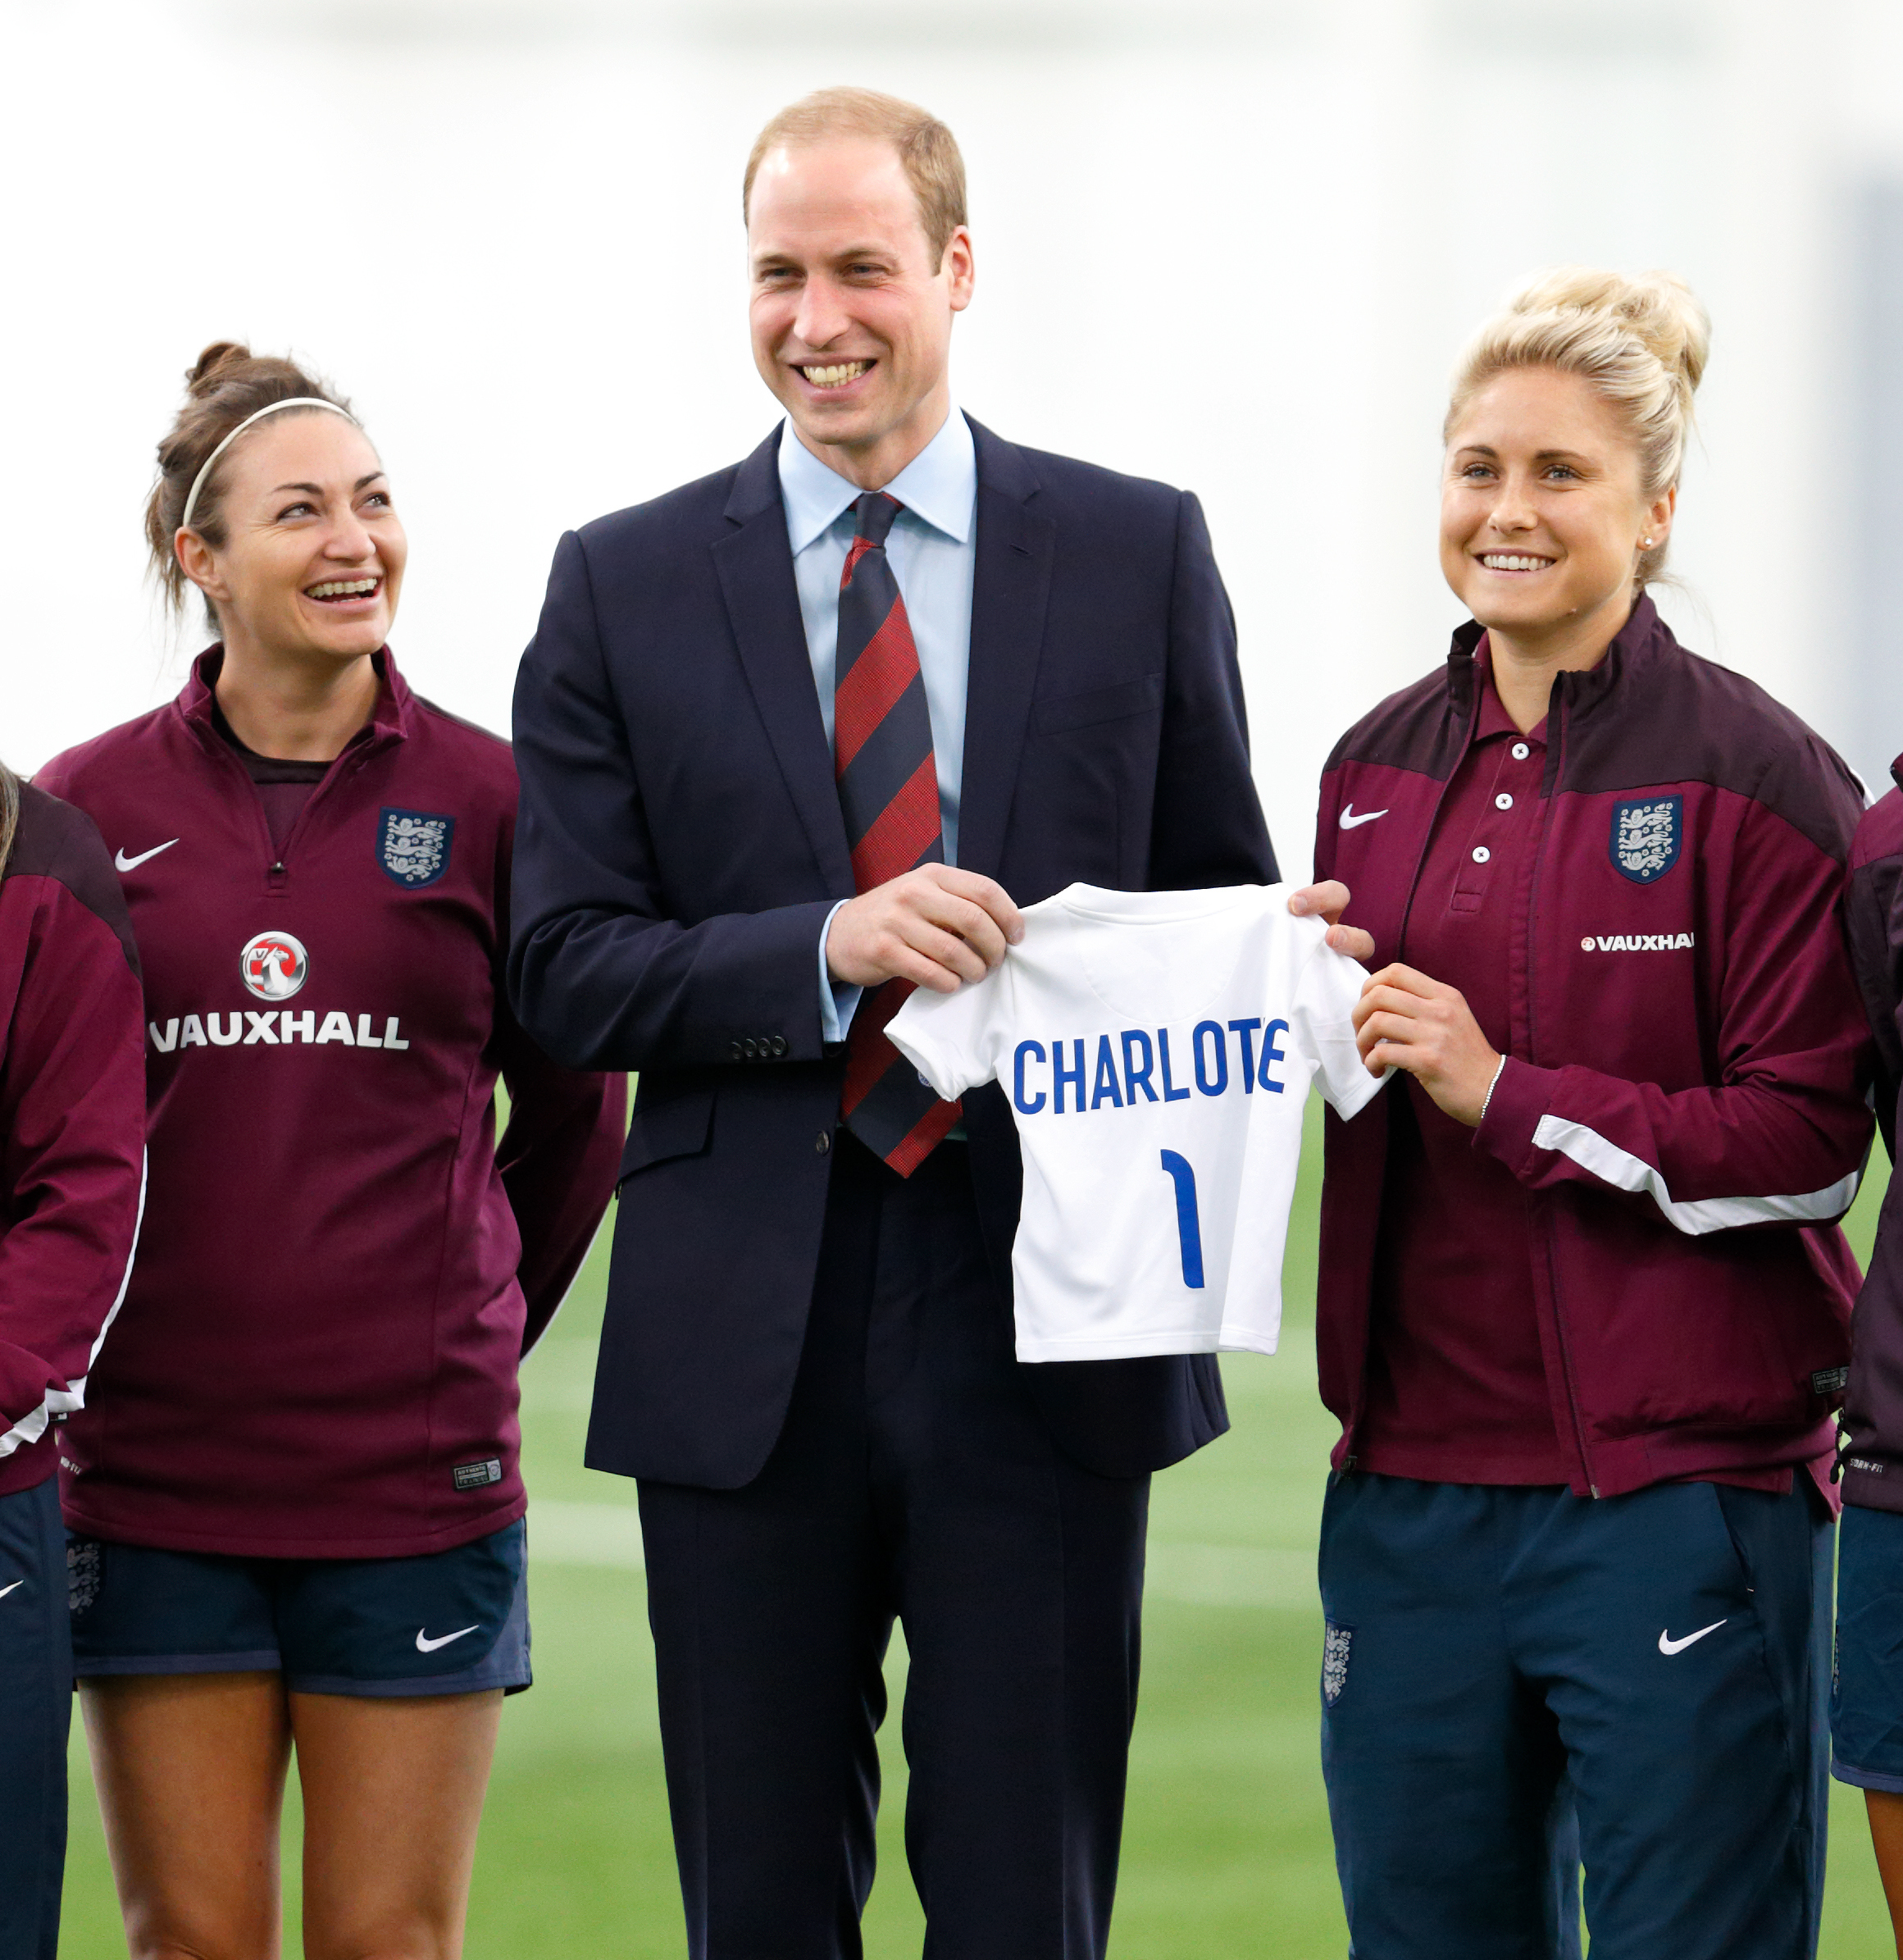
(36, 1704)
(1517, 1682)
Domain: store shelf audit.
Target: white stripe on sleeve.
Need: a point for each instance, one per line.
(1620, 1167)
(64, 1402)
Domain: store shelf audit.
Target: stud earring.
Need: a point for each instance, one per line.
(1645, 543)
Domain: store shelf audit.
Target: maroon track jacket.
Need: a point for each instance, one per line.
(72, 1124)
(317, 1353)
(1683, 1099)
(1872, 1416)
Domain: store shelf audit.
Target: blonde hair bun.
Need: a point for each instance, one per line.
(1641, 343)
(1657, 307)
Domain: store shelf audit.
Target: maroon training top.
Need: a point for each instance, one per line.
(317, 1353)
(72, 1122)
(1457, 1390)
(1682, 1111)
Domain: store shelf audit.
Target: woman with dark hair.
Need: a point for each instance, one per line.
(1584, 1305)
(296, 1509)
(72, 1151)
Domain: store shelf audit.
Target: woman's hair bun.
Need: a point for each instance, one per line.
(215, 364)
(1659, 308)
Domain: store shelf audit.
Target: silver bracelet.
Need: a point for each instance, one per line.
(1490, 1087)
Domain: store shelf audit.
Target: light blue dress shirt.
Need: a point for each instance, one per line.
(933, 552)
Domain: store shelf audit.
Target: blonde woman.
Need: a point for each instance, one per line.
(1585, 1309)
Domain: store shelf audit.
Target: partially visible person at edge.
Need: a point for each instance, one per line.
(72, 1155)
(1584, 1308)
(793, 739)
(1867, 1703)
(296, 1509)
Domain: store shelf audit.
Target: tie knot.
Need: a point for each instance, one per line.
(872, 517)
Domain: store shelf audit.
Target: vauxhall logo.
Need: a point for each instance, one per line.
(274, 966)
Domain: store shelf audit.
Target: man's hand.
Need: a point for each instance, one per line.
(1404, 1020)
(938, 925)
(1330, 899)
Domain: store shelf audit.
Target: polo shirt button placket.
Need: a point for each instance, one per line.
(1470, 887)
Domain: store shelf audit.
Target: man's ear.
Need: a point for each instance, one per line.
(960, 269)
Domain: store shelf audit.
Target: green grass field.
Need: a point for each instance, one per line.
(1228, 1850)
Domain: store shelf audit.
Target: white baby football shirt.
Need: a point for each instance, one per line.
(1157, 1048)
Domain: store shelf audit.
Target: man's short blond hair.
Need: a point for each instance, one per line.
(927, 148)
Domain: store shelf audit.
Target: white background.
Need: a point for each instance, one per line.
(1233, 243)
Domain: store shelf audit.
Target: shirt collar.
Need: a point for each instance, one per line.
(940, 485)
(1494, 718)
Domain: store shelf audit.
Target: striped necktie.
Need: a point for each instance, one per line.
(888, 789)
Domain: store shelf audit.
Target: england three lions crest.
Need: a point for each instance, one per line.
(413, 847)
(1646, 836)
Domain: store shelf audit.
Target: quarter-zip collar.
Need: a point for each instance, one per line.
(391, 722)
(391, 719)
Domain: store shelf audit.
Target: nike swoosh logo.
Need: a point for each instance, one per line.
(14, 1587)
(1667, 1645)
(1350, 821)
(126, 863)
(425, 1646)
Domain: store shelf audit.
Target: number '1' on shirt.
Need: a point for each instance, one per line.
(1157, 1049)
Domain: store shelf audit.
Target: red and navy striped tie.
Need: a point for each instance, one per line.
(888, 788)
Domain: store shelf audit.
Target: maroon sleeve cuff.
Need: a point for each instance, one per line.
(25, 1382)
(1522, 1095)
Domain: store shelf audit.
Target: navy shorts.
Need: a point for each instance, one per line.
(36, 1706)
(1866, 1700)
(1517, 1682)
(446, 1623)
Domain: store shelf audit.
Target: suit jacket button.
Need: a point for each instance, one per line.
(733, 1048)
(779, 1044)
(750, 1048)
(823, 1142)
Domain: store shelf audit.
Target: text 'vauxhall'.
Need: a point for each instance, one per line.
(249, 1029)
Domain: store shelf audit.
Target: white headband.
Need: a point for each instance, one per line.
(296, 401)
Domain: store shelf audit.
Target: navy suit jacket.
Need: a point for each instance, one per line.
(680, 844)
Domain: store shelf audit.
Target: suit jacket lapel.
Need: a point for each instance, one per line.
(754, 564)
(1010, 588)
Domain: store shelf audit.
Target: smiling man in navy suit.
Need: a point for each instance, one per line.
(792, 739)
